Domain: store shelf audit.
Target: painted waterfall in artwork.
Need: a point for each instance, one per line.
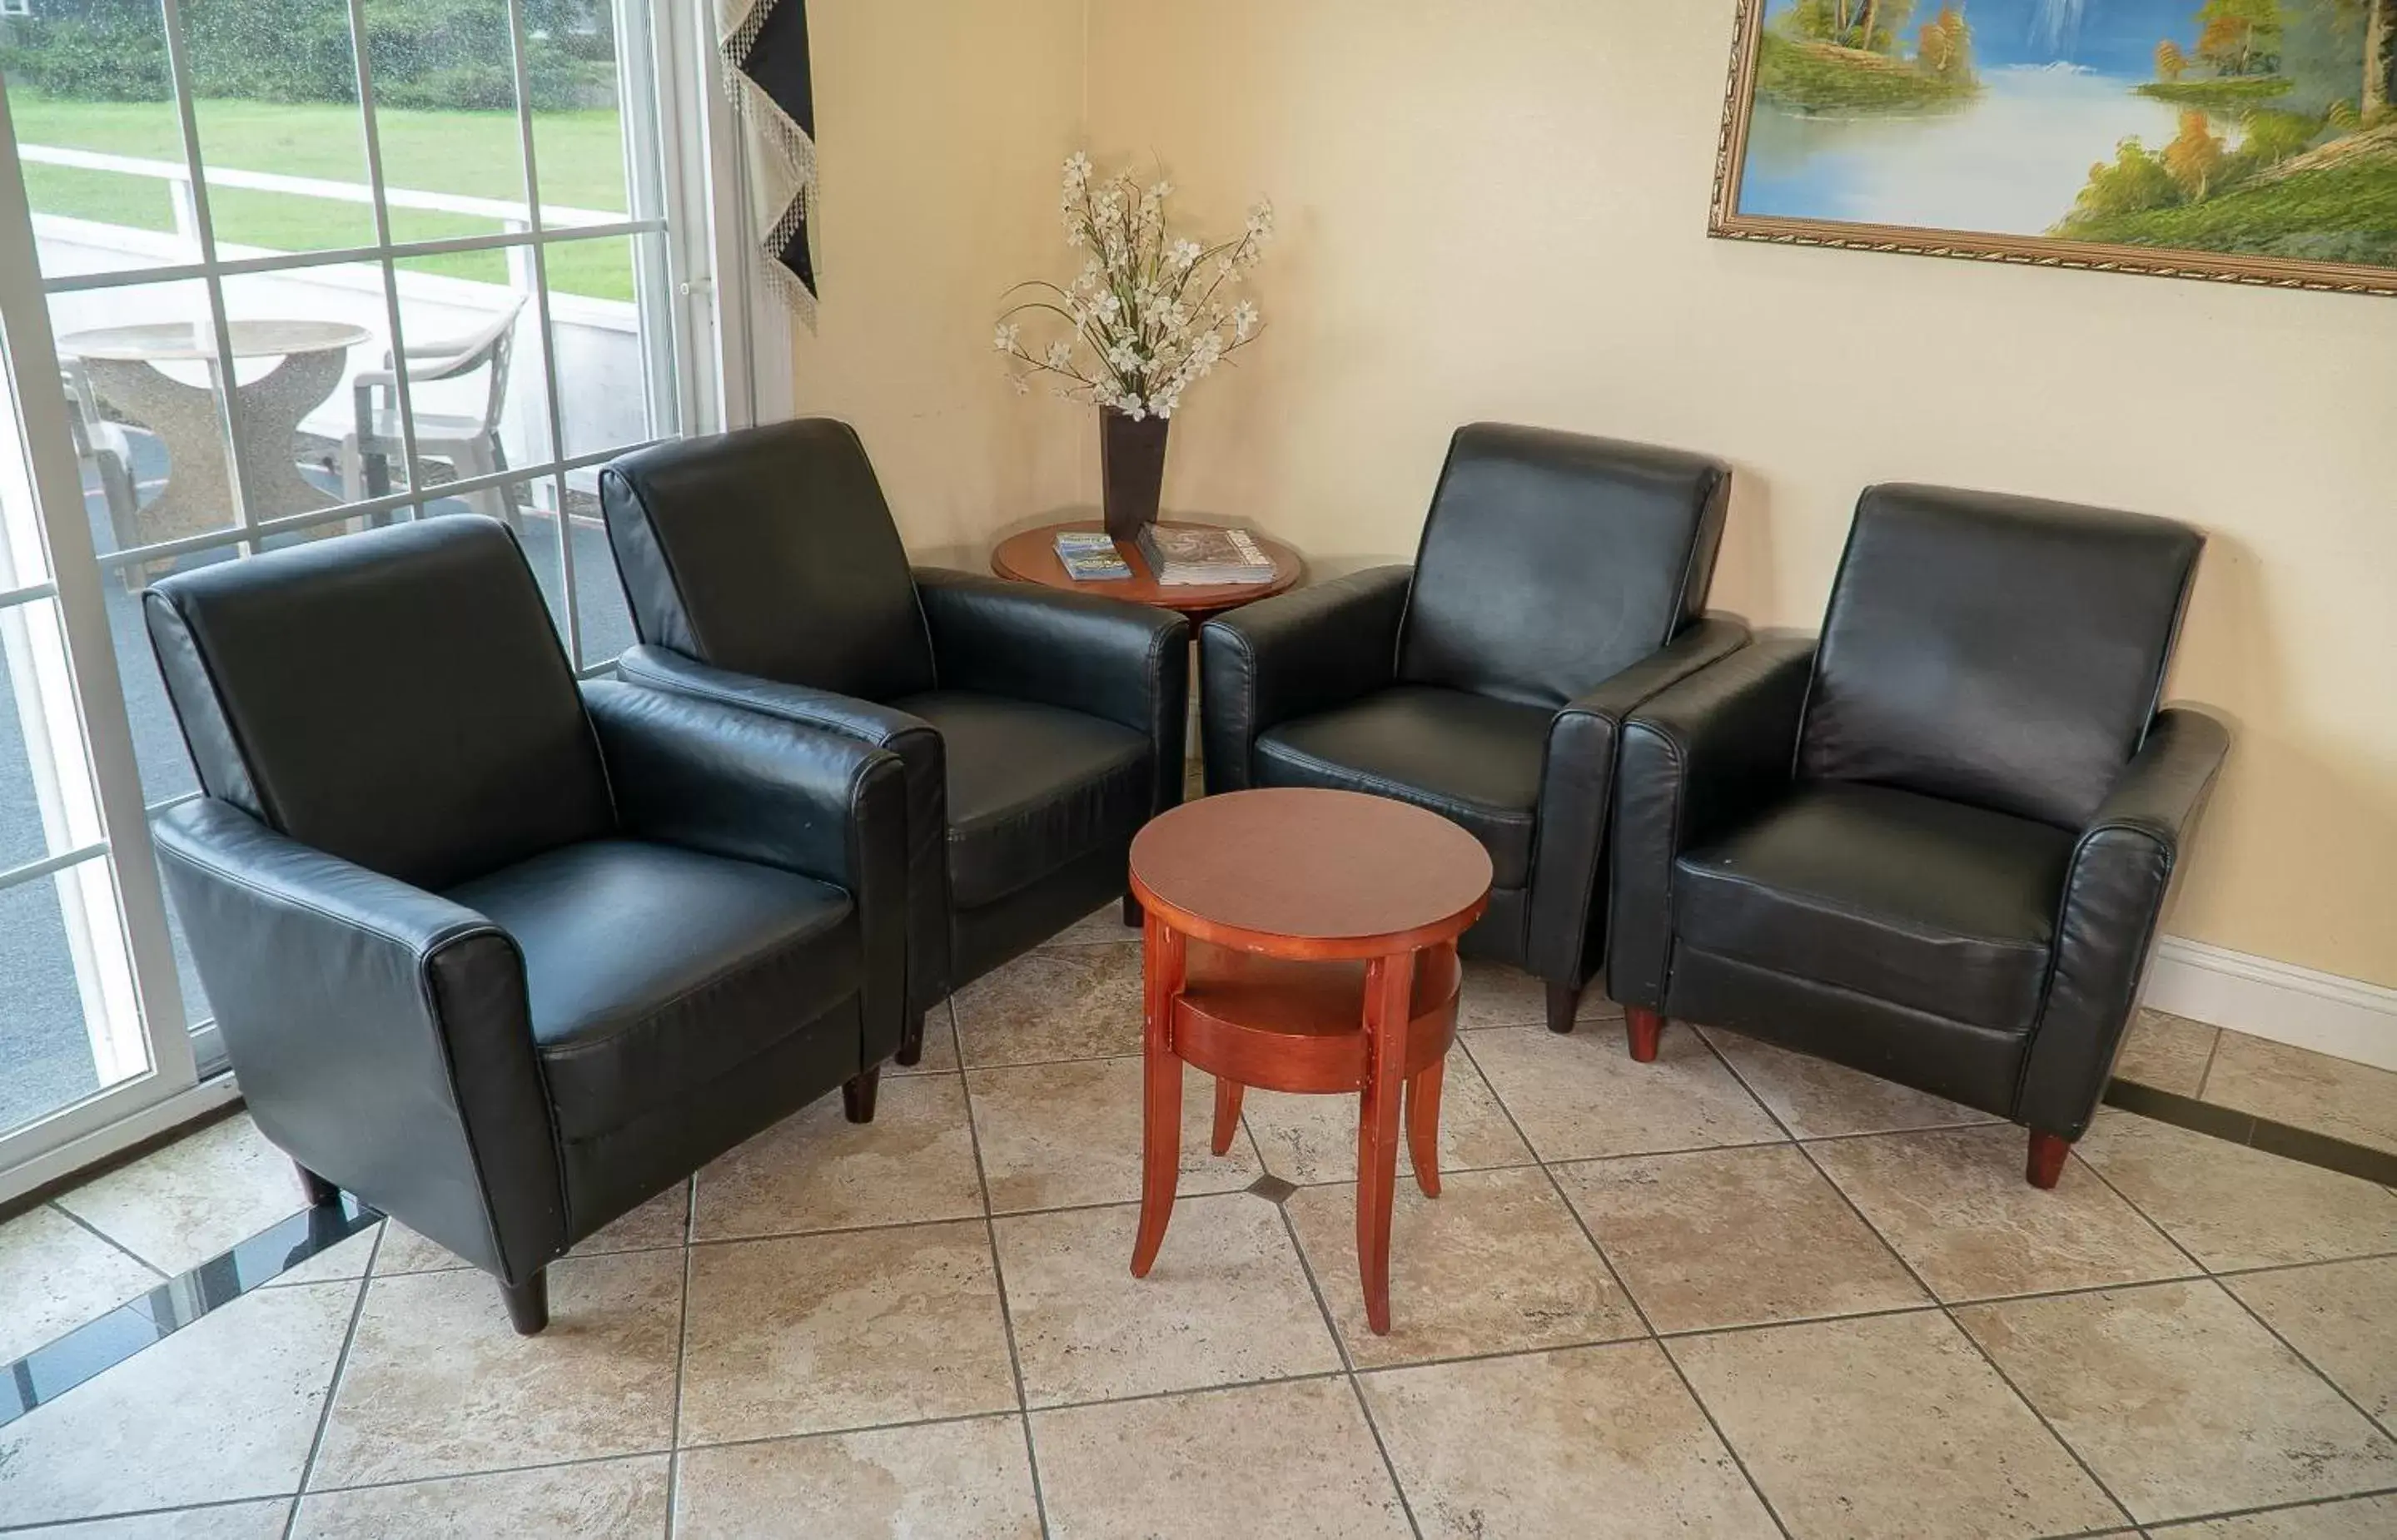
(2263, 130)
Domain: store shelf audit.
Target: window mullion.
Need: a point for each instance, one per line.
(179, 67)
(566, 578)
(373, 133)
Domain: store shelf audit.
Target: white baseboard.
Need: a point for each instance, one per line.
(2344, 1018)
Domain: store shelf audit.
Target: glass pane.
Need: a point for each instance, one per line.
(274, 89)
(611, 362)
(71, 1027)
(598, 595)
(139, 366)
(578, 134)
(93, 100)
(528, 507)
(158, 751)
(446, 116)
(475, 376)
(318, 422)
(47, 803)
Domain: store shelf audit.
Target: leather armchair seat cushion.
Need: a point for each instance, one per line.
(652, 969)
(1032, 789)
(1937, 905)
(1470, 758)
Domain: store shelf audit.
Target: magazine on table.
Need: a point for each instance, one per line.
(1191, 555)
(1088, 555)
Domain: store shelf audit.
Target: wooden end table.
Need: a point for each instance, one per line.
(1031, 556)
(1303, 941)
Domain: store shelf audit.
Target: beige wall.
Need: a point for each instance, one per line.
(940, 127)
(1497, 210)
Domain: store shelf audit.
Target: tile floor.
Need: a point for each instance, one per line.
(1737, 1292)
(2356, 1103)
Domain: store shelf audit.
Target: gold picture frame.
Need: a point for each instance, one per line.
(1727, 221)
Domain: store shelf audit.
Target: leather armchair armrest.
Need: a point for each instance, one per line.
(1292, 655)
(751, 786)
(1577, 791)
(754, 787)
(1695, 758)
(2115, 889)
(1129, 663)
(912, 739)
(380, 1033)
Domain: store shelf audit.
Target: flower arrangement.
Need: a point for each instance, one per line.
(1151, 312)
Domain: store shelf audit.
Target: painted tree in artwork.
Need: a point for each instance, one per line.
(2240, 37)
(2194, 156)
(1945, 45)
(2171, 62)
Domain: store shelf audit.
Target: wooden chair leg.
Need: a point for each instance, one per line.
(527, 1304)
(857, 1094)
(1422, 1125)
(1564, 1003)
(314, 1188)
(2045, 1168)
(1161, 972)
(1389, 991)
(1228, 1114)
(911, 1039)
(1646, 1029)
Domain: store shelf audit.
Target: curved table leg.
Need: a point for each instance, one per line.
(1389, 991)
(1227, 1113)
(1164, 957)
(1422, 1125)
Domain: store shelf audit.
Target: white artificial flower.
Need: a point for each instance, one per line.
(1245, 319)
(1005, 337)
(1060, 355)
(1077, 168)
(1023, 384)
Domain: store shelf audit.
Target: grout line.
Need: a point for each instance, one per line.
(1949, 1311)
(682, 1351)
(1640, 1310)
(333, 1386)
(2205, 1072)
(81, 1223)
(999, 1282)
(1930, 1293)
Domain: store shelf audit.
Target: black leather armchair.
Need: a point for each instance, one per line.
(504, 956)
(1934, 845)
(1040, 730)
(1558, 586)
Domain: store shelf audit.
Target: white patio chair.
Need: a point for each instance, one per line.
(103, 448)
(471, 444)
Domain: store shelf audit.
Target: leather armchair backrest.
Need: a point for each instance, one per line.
(770, 552)
(1998, 650)
(395, 698)
(1552, 561)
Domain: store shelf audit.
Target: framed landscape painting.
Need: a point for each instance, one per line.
(2252, 140)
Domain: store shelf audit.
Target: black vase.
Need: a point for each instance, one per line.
(1132, 470)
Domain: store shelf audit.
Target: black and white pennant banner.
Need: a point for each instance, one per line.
(765, 45)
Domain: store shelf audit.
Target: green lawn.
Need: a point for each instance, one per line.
(579, 156)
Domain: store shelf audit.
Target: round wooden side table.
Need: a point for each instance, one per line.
(1303, 941)
(1031, 556)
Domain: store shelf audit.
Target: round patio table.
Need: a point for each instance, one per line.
(121, 362)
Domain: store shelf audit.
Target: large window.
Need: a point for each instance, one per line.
(300, 267)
